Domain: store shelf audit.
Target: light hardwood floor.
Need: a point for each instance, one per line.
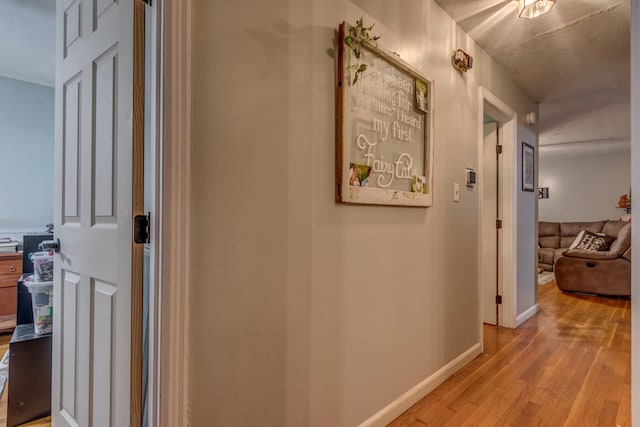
(45, 422)
(569, 365)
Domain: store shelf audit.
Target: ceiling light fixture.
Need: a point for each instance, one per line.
(533, 8)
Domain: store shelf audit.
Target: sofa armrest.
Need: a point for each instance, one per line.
(627, 254)
(579, 253)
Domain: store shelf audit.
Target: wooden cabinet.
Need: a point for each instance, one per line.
(29, 396)
(10, 272)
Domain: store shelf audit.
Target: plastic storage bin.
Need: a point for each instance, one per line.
(42, 266)
(42, 302)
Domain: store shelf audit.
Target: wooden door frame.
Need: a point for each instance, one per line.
(137, 208)
(507, 134)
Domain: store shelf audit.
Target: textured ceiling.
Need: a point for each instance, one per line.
(27, 31)
(575, 61)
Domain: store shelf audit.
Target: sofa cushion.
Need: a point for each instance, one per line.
(587, 254)
(546, 255)
(612, 228)
(549, 241)
(569, 230)
(605, 277)
(577, 240)
(592, 242)
(623, 242)
(557, 253)
(549, 234)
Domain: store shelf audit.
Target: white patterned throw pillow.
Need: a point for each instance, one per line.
(592, 242)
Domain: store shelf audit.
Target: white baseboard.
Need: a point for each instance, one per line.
(407, 400)
(527, 315)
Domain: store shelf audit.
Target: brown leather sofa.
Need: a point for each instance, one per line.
(602, 272)
(555, 237)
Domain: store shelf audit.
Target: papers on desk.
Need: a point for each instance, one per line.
(8, 246)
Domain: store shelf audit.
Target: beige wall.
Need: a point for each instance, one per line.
(584, 187)
(527, 256)
(304, 312)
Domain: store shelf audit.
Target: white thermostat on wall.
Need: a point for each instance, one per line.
(470, 177)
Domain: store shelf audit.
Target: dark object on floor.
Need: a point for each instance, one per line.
(24, 311)
(29, 395)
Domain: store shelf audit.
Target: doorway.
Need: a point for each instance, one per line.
(44, 12)
(26, 148)
(491, 217)
(498, 190)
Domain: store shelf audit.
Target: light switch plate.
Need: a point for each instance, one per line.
(456, 192)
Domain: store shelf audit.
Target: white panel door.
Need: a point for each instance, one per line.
(489, 215)
(94, 202)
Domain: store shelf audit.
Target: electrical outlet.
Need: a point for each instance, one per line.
(456, 192)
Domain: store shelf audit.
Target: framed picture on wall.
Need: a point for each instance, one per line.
(384, 128)
(528, 167)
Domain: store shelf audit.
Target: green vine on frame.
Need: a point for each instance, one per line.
(359, 35)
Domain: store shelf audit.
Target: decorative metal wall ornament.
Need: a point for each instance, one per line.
(462, 61)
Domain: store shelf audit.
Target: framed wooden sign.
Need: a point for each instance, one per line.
(384, 127)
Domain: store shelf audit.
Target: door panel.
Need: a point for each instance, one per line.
(103, 296)
(105, 86)
(94, 206)
(69, 320)
(71, 22)
(101, 7)
(71, 147)
(489, 216)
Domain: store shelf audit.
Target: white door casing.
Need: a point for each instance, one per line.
(93, 209)
(507, 124)
(175, 229)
